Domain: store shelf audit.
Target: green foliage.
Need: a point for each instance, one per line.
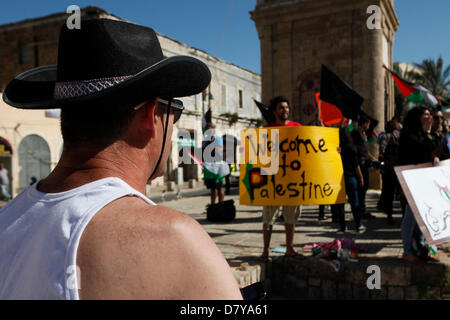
(232, 117)
(257, 122)
(433, 76)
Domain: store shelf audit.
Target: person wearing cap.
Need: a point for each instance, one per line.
(87, 231)
(280, 108)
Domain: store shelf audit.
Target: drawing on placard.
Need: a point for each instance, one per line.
(434, 216)
(436, 221)
(427, 189)
(444, 191)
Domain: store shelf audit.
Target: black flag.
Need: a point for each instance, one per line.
(266, 112)
(336, 91)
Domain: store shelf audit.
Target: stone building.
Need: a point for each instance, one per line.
(298, 36)
(30, 140)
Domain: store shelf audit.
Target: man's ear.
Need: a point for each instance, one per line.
(149, 117)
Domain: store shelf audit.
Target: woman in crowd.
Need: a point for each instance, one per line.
(416, 145)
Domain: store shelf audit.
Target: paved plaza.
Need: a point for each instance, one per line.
(241, 239)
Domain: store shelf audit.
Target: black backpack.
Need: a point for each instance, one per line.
(221, 212)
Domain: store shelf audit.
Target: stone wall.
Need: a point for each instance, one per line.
(313, 279)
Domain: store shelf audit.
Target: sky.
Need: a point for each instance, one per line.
(223, 28)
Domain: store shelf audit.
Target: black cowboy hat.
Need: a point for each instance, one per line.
(106, 60)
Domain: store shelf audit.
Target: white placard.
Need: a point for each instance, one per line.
(427, 190)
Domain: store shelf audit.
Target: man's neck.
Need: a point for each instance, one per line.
(281, 123)
(73, 171)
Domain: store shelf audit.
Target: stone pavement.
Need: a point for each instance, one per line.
(242, 237)
(241, 240)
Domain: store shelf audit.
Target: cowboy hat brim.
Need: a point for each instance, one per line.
(177, 76)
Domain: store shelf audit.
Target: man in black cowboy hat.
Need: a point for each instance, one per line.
(87, 231)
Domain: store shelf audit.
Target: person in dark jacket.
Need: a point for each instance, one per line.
(353, 180)
(360, 140)
(417, 145)
(388, 154)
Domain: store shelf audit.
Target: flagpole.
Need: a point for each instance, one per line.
(319, 106)
(320, 112)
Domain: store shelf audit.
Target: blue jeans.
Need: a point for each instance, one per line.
(410, 229)
(362, 191)
(4, 192)
(351, 188)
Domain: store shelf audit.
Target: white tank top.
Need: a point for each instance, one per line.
(39, 237)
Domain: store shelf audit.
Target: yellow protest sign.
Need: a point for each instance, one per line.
(291, 166)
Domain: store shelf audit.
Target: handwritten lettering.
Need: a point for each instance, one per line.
(307, 169)
(306, 189)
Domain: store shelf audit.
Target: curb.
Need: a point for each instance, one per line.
(187, 193)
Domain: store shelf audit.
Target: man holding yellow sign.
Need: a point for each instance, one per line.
(289, 165)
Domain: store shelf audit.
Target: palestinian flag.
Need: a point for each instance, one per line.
(336, 91)
(254, 178)
(372, 136)
(212, 170)
(352, 127)
(215, 170)
(413, 92)
(445, 103)
(195, 159)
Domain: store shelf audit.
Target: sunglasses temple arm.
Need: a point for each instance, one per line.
(163, 144)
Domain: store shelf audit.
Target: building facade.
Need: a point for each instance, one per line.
(30, 140)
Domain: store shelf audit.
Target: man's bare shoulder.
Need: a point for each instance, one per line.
(134, 250)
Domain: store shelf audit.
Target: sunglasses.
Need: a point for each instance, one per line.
(176, 105)
(438, 117)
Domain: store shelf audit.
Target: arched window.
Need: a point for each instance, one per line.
(34, 160)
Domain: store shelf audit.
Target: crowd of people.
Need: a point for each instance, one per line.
(420, 142)
(419, 139)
